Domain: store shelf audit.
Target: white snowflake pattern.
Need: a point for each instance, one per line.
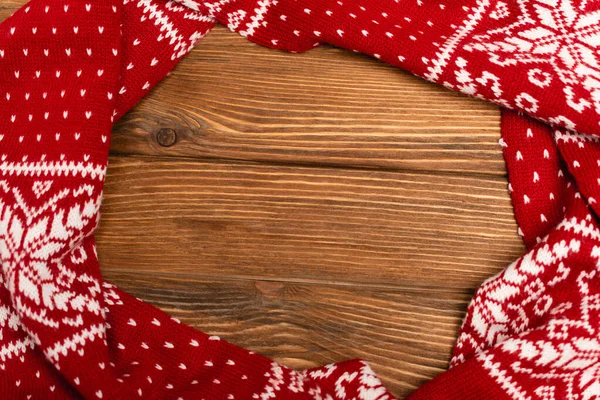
(555, 34)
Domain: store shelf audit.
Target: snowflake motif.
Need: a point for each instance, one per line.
(178, 42)
(235, 19)
(553, 33)
(501, 11)
(568, 362)
(32, 242)
(559, 358)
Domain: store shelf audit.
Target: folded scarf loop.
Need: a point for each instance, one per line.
(69, 69)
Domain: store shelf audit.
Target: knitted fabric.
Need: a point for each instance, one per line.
(69, 69)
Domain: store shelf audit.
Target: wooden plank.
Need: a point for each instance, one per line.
(7, 7)
(405, 334)
(232, 99)
(308, 265)
(305, 224)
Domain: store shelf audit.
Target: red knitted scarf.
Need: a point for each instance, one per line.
(69, 69)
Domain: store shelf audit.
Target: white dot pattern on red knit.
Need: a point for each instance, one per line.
(74, 68)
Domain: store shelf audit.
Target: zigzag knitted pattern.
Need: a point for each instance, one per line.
(69, 69)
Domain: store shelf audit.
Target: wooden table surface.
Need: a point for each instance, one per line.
(313, 207)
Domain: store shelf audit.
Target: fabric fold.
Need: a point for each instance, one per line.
(69, 69)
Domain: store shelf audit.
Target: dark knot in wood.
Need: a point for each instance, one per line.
(166, 137)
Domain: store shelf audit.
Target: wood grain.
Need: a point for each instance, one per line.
(6, 9)
(232, 99)
(313, 207)
(405, 334)
(10, 6)
(305, 224)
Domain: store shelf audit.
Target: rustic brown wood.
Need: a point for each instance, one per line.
(7, 7)
(6, 10)
(312, 207)
(406, 334)
(166, 137)
(233, 99)
(305, 224)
